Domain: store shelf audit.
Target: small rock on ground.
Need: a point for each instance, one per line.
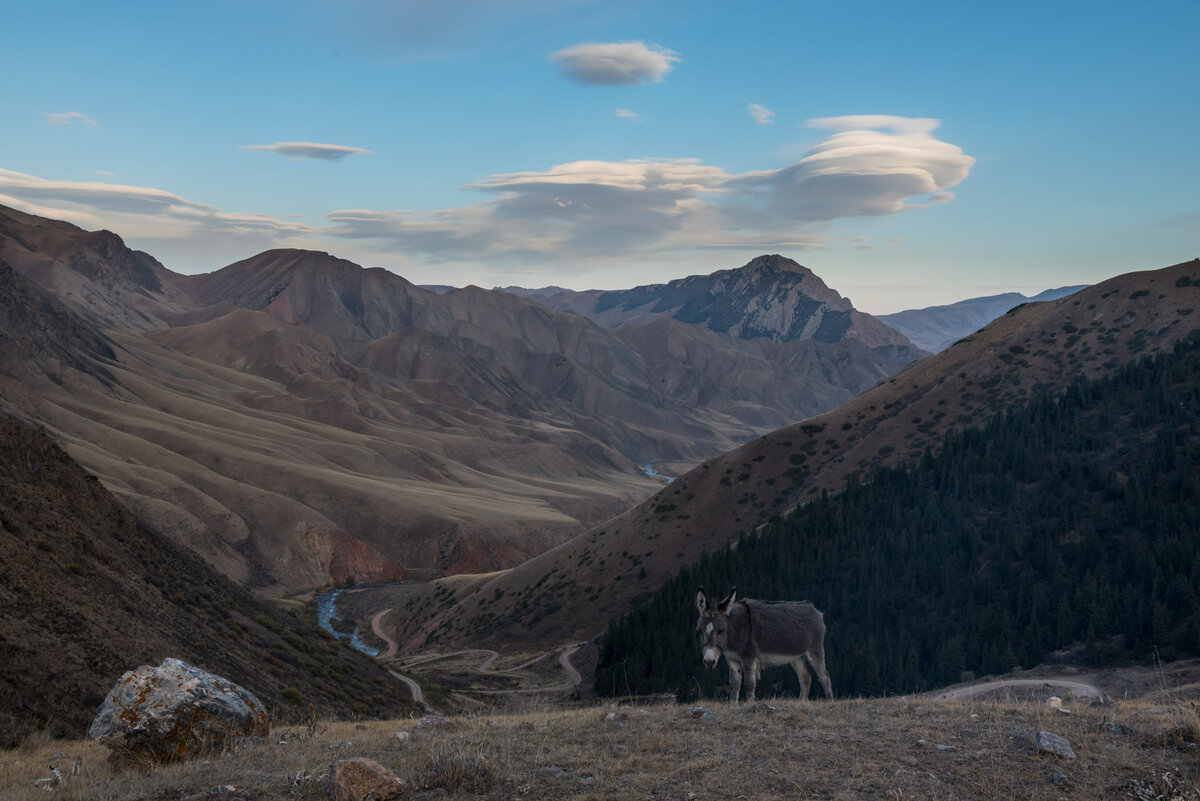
(1048, 743)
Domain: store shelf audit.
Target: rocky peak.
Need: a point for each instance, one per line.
(771, 296)
(775, 263)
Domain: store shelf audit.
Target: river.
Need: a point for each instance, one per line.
(649, 470)
(327, 613)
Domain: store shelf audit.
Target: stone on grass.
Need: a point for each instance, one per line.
(432, 722)
(359, 779)
(175, 712)
(1048, 743)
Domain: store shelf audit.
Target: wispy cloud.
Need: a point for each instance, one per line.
(68, 118)
(615, 63)
(309, 150)
(627, 114)
(761, 114)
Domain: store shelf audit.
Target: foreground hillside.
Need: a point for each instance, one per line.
(300, 420)
(895, 748)
(1036, 347)
(87, 593)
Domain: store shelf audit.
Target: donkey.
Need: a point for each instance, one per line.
(755, 634)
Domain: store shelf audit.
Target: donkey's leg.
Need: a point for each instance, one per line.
(751, 679)
(804, 676)
(735, 679)
(816, 658)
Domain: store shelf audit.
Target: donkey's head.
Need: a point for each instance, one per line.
(712, 626)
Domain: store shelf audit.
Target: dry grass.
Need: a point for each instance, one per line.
(902, 748)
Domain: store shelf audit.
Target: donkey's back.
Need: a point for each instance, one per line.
(786, 627)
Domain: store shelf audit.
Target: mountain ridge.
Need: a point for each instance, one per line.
(770, 296)
(1033, 346)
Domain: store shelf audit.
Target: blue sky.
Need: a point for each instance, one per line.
(911, 154)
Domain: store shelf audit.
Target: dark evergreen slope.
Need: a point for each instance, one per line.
(1072, 522)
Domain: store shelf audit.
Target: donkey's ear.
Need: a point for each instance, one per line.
(701, 600)
(723, 607)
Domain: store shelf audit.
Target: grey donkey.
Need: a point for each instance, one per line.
(755, 634)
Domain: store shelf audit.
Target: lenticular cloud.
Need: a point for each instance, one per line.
(615, 63)
(872, 165)
(309, 150)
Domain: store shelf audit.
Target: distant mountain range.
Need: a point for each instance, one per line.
(772, 297)
(300, 420)
(776, 298)
(938, 327)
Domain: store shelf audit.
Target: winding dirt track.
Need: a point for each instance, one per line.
(417, 694)
(490, 657)
(377, 627)
(1078, 688)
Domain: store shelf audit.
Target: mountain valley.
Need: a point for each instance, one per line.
(299, 420)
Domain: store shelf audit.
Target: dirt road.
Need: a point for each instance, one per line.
(415, 689)
(377, 627)
(1078, 688)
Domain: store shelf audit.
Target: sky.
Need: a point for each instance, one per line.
(909, 153)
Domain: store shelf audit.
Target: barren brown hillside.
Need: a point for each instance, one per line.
(91, 271)
(572, 591)
(299, 420)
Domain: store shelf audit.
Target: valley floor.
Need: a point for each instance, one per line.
(895, 748)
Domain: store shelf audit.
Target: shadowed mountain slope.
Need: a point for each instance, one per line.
(87, 592)
(91, 271)
(552, 598)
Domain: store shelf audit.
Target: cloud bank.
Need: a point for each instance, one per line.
(615, 63)
(581, 212)
(627, 208)
(309, 150)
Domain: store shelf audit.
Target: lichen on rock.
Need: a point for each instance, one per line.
(175, 712)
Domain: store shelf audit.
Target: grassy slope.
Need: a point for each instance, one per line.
(897, 748)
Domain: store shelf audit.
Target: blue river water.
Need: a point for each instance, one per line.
(649, 470)
(327, 613)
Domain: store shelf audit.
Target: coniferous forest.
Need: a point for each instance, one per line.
(1067, 528)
